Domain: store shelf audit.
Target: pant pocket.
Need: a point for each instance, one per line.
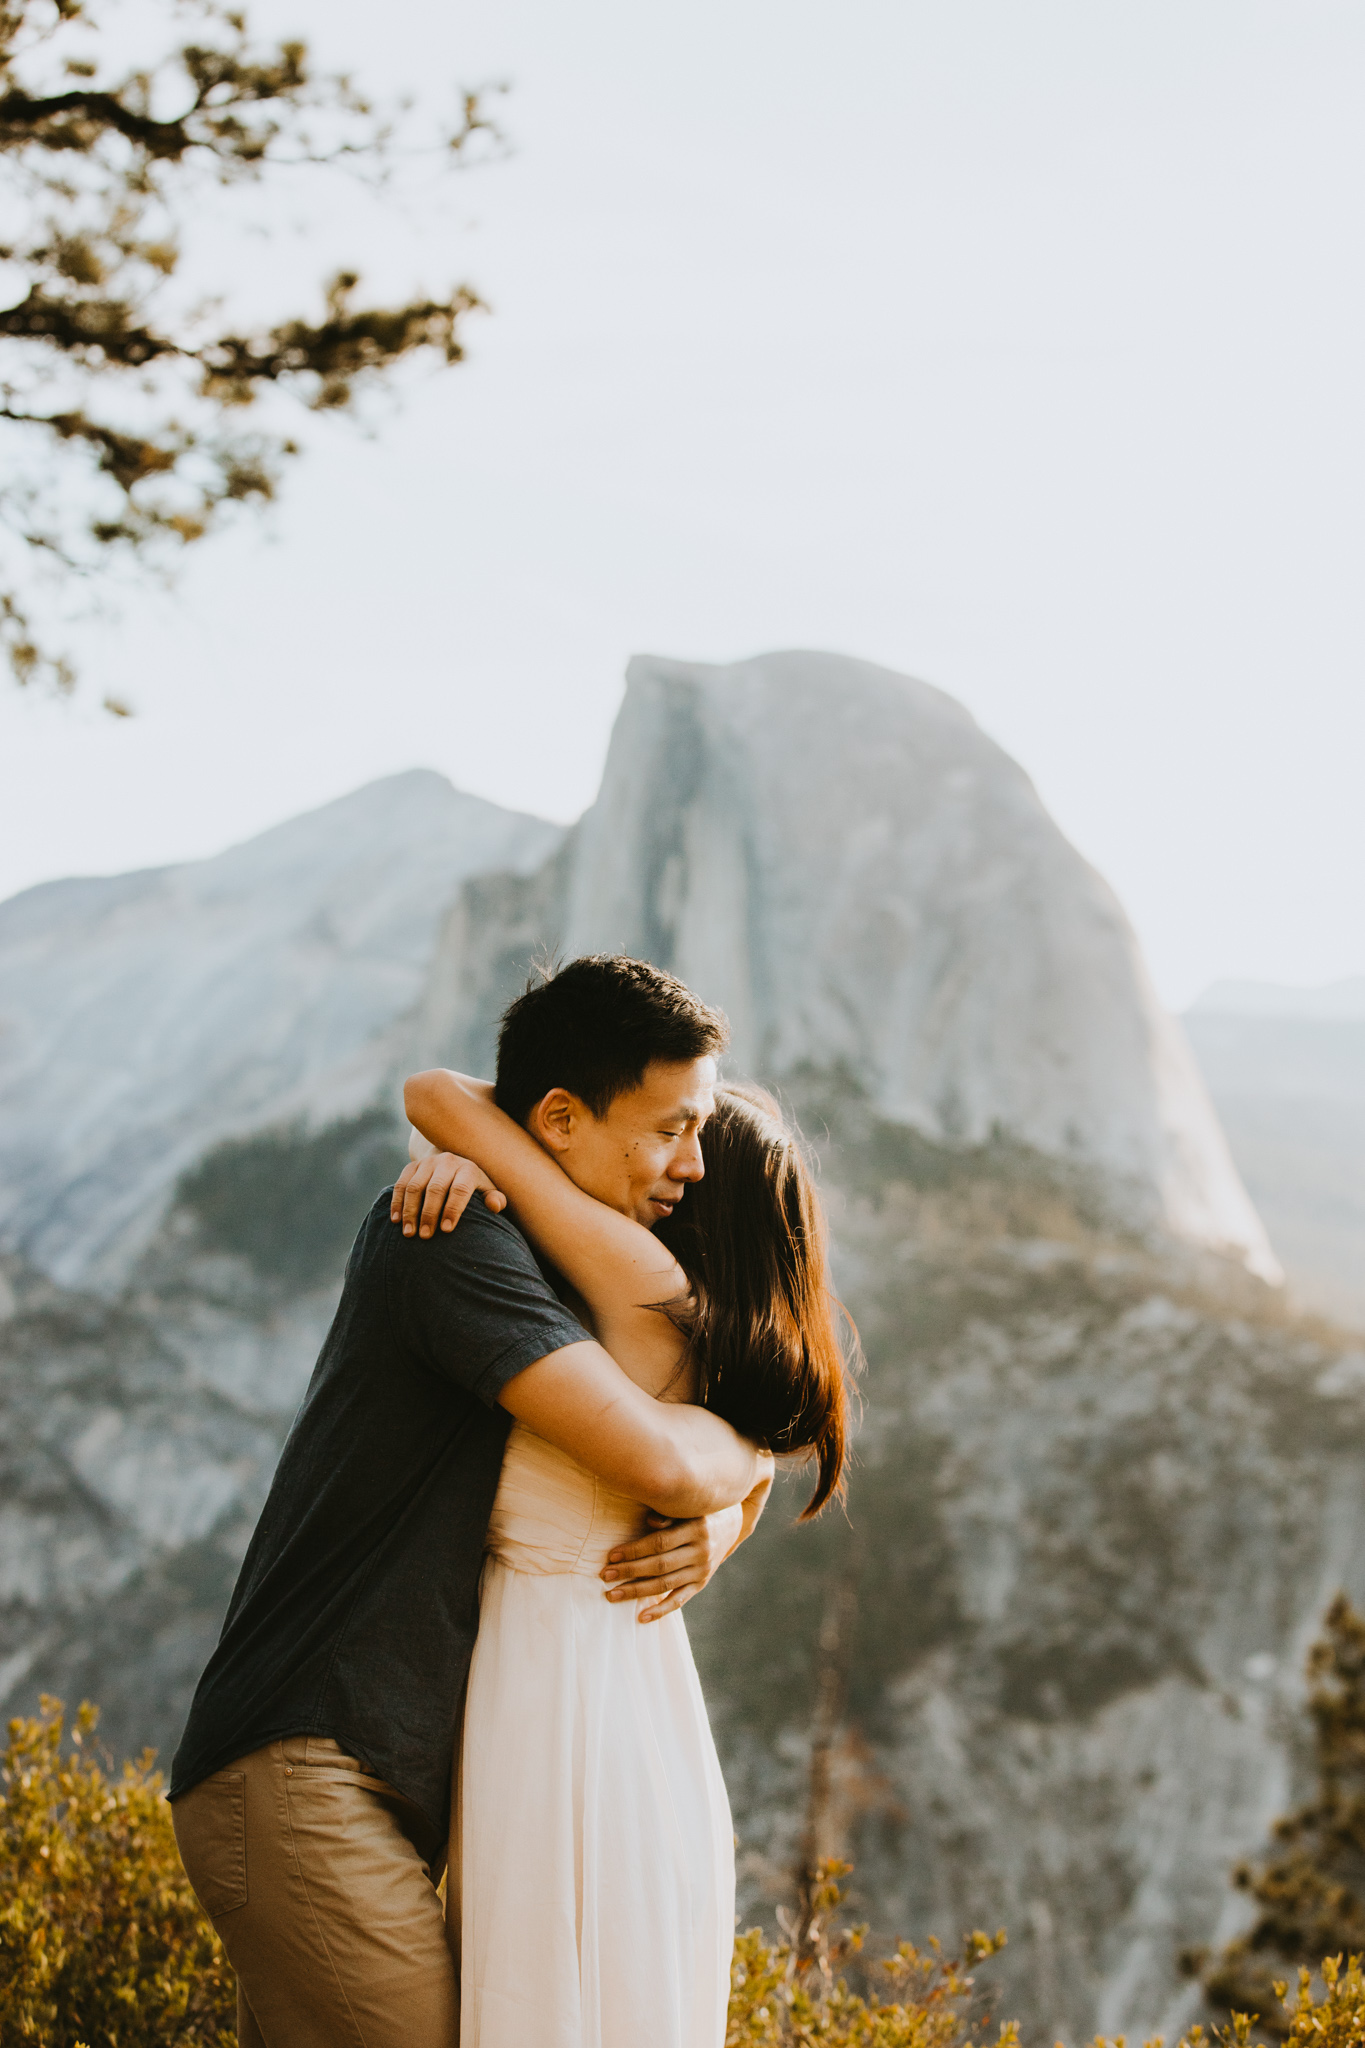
(211, 1831)
(324, 1749)
(325, 1762)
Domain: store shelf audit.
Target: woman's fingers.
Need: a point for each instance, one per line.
(414, 1181)
(470, 1180)
(436, 1191)
(452, 1182)
(399, 1186)
(445, 1169)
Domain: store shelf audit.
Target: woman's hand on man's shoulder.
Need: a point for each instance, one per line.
(433, 1193)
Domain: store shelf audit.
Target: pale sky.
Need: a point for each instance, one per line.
(1016, 347)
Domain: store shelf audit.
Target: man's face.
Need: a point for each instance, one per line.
(639, 1157)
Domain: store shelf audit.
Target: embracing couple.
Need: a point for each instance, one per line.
(531, 1430)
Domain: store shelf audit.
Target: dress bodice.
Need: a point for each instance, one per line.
(552, 1516)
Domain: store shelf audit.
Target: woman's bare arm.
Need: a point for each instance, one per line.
(620, 1269)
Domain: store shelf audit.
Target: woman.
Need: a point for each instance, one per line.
(590, 1797)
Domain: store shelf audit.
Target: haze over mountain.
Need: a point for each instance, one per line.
(1105, 1483)
(1286, 1068)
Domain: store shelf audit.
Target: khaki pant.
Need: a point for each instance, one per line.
(321, 1881)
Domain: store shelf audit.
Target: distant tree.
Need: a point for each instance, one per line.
(126, 424)
(1310, 1890)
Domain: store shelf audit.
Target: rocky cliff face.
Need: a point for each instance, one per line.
(865, 881)
(1105, 1483)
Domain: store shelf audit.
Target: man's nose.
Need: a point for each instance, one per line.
(686, 1163)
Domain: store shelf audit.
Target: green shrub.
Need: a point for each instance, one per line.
(102, 1942)
(791, 1993)
(103, 1945)
(1336, 2020)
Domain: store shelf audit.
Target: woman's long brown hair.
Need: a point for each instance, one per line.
(772, 1344)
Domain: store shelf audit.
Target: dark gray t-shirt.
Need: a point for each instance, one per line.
(356, 1607)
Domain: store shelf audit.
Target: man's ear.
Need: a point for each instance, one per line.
(551, 1123)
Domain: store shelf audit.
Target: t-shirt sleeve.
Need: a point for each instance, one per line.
(473, 1304)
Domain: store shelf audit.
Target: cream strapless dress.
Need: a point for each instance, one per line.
(592, 1851)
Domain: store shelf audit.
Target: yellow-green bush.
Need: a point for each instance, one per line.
(102, 1942)
(1309, 1890)
(791, 1992)
(1336, 2020)
(103, 1945)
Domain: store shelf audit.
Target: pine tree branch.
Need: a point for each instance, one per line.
(106, 182)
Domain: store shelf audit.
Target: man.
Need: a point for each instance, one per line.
(311, 1787)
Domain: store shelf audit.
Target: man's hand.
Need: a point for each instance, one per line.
(677, 1559)
(673, 1562)
(437, 1190)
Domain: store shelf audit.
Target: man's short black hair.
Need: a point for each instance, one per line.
(593, 1027)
